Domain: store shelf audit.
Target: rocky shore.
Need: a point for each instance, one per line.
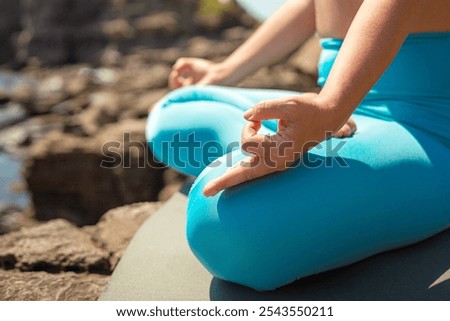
(76, 85)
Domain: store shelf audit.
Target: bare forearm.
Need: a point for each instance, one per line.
(275, 38)
(372, 42)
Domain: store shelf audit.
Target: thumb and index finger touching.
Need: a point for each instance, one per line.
(253, 166)
(181, 74)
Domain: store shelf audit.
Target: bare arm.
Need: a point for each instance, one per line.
(284, 31)
(373, 40)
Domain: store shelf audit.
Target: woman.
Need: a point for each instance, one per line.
(294, 201)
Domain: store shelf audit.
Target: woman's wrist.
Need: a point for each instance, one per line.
(229, 72)
(219, 74)
(338, 111)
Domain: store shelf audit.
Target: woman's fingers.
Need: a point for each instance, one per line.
(347, 130)
(250, 139)
(270, 109)
(190, 71)
(181, 74)
(248, 169)
(177, 80)
(270, 154)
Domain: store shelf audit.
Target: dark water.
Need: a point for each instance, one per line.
(10, 173)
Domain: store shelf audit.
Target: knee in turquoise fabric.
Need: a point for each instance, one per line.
(191, 127)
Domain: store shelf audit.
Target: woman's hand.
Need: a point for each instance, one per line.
(194, 71)
(304, 121)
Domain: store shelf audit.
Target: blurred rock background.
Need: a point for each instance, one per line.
(77, 79)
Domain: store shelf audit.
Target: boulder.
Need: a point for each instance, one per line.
(80, 178)
(52, 247)
(11, 217)
(103, 108)
(64, 31)
(59, 261)
(11, 113)
(116, 228)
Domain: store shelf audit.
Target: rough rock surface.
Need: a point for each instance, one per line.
(39, 286)
(55, 32)
(53, 247)
(58, 261)
(117, 226)
(81, 178)
(11, 217)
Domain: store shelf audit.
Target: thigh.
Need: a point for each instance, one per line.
(191, 127)
(383, 188)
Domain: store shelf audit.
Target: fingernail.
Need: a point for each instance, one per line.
(248, 114)
(208, 191)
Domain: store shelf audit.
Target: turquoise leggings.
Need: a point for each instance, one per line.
(383, 188)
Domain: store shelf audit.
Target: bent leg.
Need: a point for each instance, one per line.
(192, 126)
(389, 187)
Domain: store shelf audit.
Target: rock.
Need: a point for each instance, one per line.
(15, 137)
(306, 58)
(65, 30)
(116, 228)
(52, 247)
(139, 107)
(12, 138)
(140, 77)
(30, 130)
(168, 190)
(104, 76)
(16, 87)
(161, 24)
(39, 286)
(77, 82)
(213, 17)
(167, 56)
(238, 33)
(11, 217)
(81, 178)
(111, 57)
(103, 108)
(49, 93)
(202, 47)
(65, 108)
(118, 29)
(11, 113)
(173, 181)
